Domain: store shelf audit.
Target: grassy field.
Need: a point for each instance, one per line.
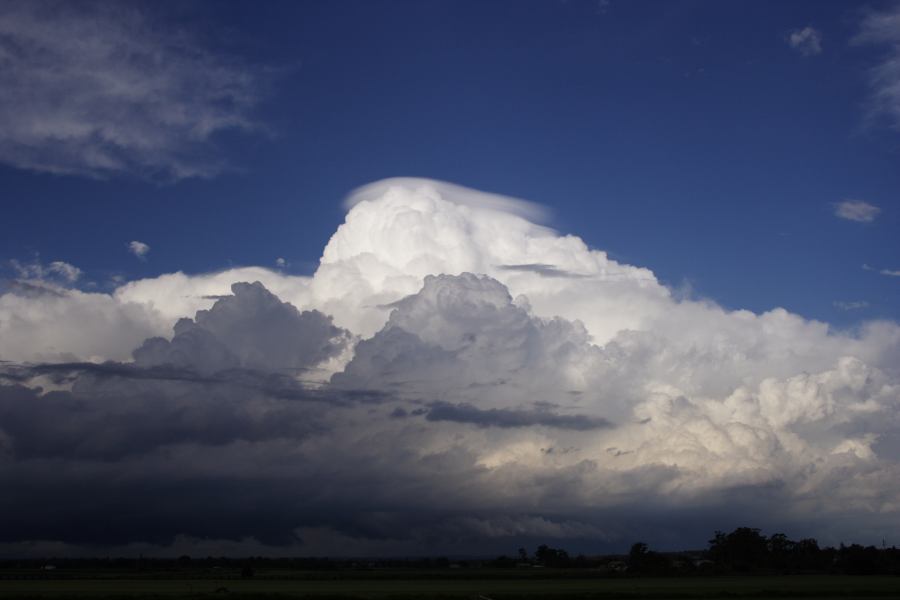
(470, 587)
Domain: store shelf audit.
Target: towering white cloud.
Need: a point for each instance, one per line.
(390, 241)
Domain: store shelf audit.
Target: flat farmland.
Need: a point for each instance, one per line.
(410, 586)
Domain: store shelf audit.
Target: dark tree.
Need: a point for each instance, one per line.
(744, 549)
(781, 551)
(643, 561)
(808, 557)
(551, 557)
(859, 560)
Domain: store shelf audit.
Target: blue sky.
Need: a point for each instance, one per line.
(687, 137)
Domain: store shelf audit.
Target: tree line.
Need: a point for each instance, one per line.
(743, 551)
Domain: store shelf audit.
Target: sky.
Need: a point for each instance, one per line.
(422, 277)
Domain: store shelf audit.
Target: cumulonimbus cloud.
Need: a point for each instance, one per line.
(439, 361)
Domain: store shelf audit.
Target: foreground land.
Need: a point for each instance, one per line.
(439, 585)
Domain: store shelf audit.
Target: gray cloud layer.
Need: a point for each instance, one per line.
(506, 417)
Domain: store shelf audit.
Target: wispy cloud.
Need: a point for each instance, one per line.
(806, 41)
(57, 269)
(883, 28)
(851, 305)
(98, 89)
(139, 249)
(885, 272)
(856, 210)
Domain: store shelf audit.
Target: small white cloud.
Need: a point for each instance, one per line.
(856, 210)
(281, 263)
(851, 305)
(139, 249)
(807, 41)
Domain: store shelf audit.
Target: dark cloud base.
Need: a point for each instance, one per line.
(500, 417)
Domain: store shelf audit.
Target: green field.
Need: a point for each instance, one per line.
(470, 586)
